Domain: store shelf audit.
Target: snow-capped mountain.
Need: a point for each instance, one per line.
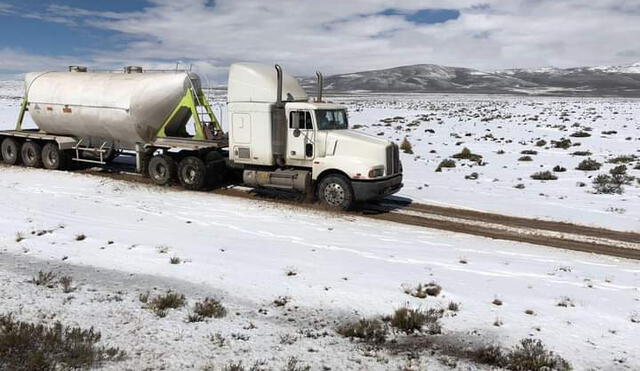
(600, 80)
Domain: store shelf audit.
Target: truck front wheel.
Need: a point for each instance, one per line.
(192, 173)
(335, 191)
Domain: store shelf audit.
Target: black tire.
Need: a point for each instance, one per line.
(10, 150)
(335, 192)
(31, 154)
(192, 173)
(52, 157)
(162, 169)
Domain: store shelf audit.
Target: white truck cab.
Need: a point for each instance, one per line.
(282, 139)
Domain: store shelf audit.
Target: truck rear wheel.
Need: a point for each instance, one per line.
(10, 149)
(31, 153)
(52, 157)
(192, 173)
(162, 169)
(335, 191)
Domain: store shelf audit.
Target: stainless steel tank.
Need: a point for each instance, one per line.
(125, 108)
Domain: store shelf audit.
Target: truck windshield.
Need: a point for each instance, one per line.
(331, 119)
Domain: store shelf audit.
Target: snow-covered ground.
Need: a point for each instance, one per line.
(499, 128)
(332, 267)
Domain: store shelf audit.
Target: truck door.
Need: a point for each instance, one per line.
(300, 139)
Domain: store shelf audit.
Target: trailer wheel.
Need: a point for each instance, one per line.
(335, 191)
(192, 173)
(52, 157)
(162, 169)
(31, 154)
(10, 149)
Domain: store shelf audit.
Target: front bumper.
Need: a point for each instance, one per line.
(365, 190)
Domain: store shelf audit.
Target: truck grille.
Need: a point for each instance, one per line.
(393, 160)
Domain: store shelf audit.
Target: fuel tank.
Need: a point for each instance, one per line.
(124, 108)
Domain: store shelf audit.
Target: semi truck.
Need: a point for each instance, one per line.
(278, 137)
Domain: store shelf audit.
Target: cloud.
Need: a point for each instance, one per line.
(344, 36)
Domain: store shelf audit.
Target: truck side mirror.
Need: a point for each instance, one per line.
(308, 150)
(296, 132)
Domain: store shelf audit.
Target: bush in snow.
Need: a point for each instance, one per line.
(563, 143)
(589, 165)
(446, 163)
(528, 355)
(406, 146)
(66, 283)
(170, 300)
(423, 290)
(44, 279)
(466, 154)
(580, 134)
(544, 175)
(529, 152)
(559, 169)
(525, 158)
(370, 330)
(622, 159)
(28, 346)
(210, 308)
(613, 182)
(410, 320)
(581, 153)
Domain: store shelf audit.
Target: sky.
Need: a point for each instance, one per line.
(334, 36)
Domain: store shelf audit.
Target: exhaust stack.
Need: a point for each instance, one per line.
(320, 86)
(279, 90)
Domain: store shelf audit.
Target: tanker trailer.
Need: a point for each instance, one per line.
(85, 117)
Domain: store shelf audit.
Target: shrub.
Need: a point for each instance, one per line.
(544, 175)
(528, 355)
(531, 354)
(589, 165)
(466, 154)
(44, 279)
(563, 143)
(559, 169)
(497, 302)
(613, 182)
(580, 134)
(423, 290)
(28, 346)
(170, 300)
(581, 153)
(19, 237)
(622, 159)
(175, 260)
(406, 146)
(529, 152)
(446, 163)
(371, 330)
(412, 320)
(66, 282)
(541, 143)
(294, 364)
(453, 306)
(210, 308)
(80, 237)
(525, 158)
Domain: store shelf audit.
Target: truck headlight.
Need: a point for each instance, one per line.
(377, 172)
